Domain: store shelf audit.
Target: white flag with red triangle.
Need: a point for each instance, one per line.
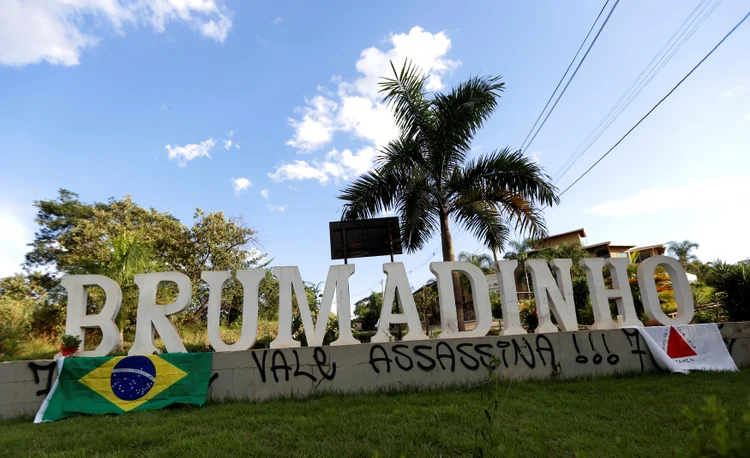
(688, 347)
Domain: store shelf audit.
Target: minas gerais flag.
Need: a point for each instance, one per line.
(102, 385)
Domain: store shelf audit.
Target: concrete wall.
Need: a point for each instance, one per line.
(263, 374)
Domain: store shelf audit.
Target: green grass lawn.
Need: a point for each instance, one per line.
(640, 415)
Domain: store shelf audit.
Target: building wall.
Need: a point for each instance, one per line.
(557, 240)
(618, 251)
(263, 374)
(647, 253)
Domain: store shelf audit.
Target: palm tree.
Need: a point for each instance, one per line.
(428, 179)
(682, 251)
(483, 261)
(520, 251)
(129, 256)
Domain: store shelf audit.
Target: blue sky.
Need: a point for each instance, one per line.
(116, 97)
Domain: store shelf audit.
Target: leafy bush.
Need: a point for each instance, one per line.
(332, 329)
(528, 314)
(584, 311)
(267, 331)
(363, 336)
(732, 288)
(713, 435)
(71, 341)
(15, 324)
(496, 305)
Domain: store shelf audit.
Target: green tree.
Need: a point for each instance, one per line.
(43, 298)
(731, 283)
(55, 218)
(683, 251)
(427, 177)
(699, 269)
(564, 250)
(129, 257)
(367, 310)
(120, 239)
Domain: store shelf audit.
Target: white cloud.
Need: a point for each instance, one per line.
(727, 192)
(277, 20)
(536, 157)
(217, 29)
(425, 49)
(316, 127)
(237, 145)
(230, 133)
(56, 32)
(337, 165)
(227, 144)
(262, 42)
(265, 193)
(357, 109)
(737, 90)
(16, 233)
(367, 119)
(298, 170)
(276, 208)
(186, 153)
(240, 185)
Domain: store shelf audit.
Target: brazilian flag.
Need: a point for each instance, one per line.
(102, 385)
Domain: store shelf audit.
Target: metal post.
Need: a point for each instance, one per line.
(343, 233)
(390, 239)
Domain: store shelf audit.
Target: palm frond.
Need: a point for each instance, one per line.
(484, 221)
(372, 193)
(508, 171)
(402, 153)
(417, 209)
(404, 94)
(462, 112)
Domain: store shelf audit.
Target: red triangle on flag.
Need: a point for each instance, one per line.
(677, 347)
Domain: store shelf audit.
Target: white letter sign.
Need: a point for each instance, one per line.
(77, 320)
(683, 296)
(444, 273)
(396, 281)
(557, 296)
(154, 317)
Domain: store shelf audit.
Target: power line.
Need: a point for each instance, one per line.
(651, 110)
(551, 96)
(657, 63)
(601, 28)
(657, 105)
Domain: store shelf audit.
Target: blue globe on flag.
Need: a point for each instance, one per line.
(133, 377)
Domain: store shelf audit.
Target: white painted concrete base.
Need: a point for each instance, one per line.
(263, 374)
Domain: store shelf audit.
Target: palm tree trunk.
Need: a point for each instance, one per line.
(119, 321)
(449, 255)
(528, 286)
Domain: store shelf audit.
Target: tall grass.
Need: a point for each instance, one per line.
(15, 323)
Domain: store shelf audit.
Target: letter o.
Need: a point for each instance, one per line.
(682, 294)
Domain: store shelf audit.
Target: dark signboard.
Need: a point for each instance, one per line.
(364, 238)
